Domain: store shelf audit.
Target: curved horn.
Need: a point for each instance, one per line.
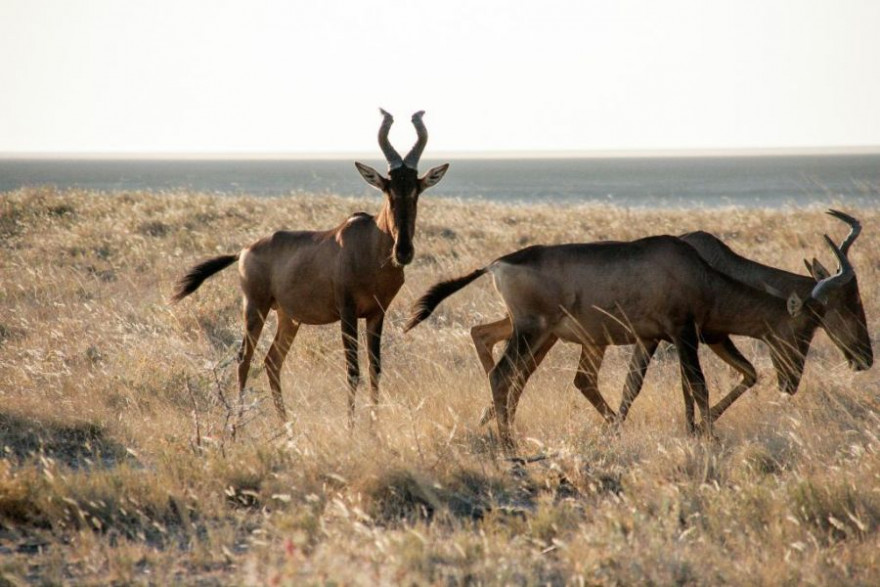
(839, 279)
(855, 229)
(412, 158)
(391, 155)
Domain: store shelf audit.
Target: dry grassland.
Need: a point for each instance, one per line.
(117, 467)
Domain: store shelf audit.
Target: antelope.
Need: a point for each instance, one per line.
(349, 272)
(844, 322)
(615, 293)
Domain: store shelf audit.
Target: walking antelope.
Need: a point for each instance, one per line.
(614, 293)
(320, 277)
(844, 322)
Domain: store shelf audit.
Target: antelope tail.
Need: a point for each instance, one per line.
(426, 304)
(199, 273)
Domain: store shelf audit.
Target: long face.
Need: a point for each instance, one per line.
(402, 193)
(844, 319)
(402, 188)
(834, 304)
(847, 327)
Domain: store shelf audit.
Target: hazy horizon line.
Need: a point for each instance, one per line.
(491, 154)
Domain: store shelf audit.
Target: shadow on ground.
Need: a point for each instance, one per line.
(78, 446)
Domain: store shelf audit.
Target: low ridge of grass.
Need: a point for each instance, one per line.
(117, 464)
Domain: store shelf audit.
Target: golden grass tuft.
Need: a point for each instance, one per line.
(118, 466)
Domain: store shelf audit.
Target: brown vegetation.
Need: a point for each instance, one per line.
(117, 464)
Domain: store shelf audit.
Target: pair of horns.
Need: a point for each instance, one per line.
(845, 270)
(391, 155)
(855, 228)
(843, 276)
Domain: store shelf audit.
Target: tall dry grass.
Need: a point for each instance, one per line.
(117, 466)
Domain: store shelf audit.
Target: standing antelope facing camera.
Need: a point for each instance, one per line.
(616, 293)
(320, 277)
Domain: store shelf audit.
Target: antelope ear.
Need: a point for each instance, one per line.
(816, 269)
(819, 271)
(433, 176)
(795, 304)
(373, 177)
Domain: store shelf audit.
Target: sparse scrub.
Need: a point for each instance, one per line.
(117, 464)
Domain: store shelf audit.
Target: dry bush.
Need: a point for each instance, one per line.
(118, 465)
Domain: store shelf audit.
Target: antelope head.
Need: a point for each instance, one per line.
(402, 186)
(844, 318)
(789, 361)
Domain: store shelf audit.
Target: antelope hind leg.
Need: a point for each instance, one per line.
(284, 337)
(254, 319)
(488, 412)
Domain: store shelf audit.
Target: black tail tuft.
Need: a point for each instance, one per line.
(199, 273)
(426, 304)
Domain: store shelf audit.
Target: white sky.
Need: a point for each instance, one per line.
(302, 76)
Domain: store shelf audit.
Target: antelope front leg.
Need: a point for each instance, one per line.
(693, 383)
(374, 348)
(731, 355)
(586, 380)
(348, 318)
(635, 377)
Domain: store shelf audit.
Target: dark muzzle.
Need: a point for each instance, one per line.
(403, 253)
(861, 362)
